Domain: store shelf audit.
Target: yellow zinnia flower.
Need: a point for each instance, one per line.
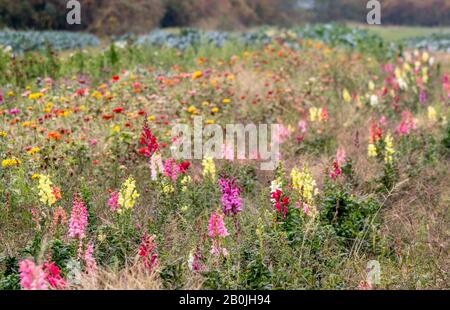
(33, 150)
(6, 163)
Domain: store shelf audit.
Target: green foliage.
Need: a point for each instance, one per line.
(446, 139)
(173, 276)
(61, 253)
(349, 215)
(10, 279)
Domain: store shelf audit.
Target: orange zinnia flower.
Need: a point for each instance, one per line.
(53, 135)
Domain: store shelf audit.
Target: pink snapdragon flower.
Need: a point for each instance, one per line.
(340, 156)
(407, 124)
(216, 226)
(89, 259)
(78, 219)
(302, 126)
(32, 277)
(113, 201)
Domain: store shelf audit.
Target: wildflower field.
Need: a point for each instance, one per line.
(92, 198)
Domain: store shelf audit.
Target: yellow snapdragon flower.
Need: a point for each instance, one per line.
(209, 168)
(389, 149)
(46, 193)
(303, 182)
(432, 114)
(128, 195)
(346, 95)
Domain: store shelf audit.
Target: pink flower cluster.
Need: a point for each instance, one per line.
(89, 259)
(113, 201)
(32, 277)
(446, 85)
(78, 219)
(217, 230)
(35, 277)
(231, 201)
(172, 169)
(407, 124)
(216, 226)
(336, 170)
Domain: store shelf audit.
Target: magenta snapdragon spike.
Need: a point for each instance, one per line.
(171, 169)
(231, 200)
(78, 219)
(53, 276)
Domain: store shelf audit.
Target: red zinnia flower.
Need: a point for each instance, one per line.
(118, 110)
(108, 116)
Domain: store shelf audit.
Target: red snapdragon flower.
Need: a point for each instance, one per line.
(148, 140)
(147, 252)
(281, 203)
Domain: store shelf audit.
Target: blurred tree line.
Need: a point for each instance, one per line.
(121, 16)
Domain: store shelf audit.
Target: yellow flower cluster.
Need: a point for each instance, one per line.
(185, 182)
(372, 150)
(35, 96)
(128, 195)
(167, 188)
(196, 75)
(192, 110)
(432, 114)
(10, 162)
(316, 114)
(388, 149)
(209, 168)
(33, 150)
(46, 194)
(3, 134)
(303, 182)
(346, 96)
